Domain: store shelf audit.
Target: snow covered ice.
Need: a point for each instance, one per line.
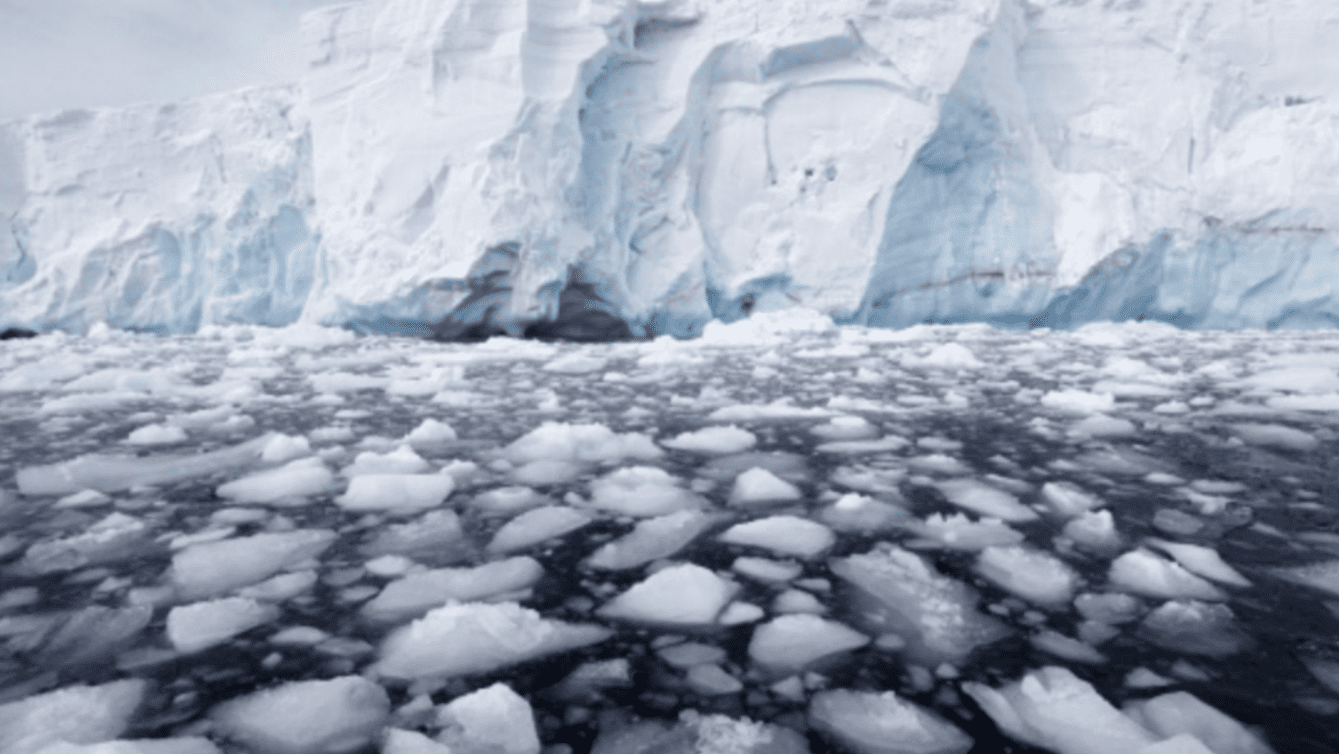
(571, 560)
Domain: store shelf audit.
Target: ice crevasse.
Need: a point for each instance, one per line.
(469, 167)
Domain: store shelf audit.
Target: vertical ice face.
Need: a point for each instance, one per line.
(158, 217)
(884, 161)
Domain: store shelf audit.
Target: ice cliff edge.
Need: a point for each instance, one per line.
(461, 164)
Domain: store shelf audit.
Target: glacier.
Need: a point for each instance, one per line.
(476, 166)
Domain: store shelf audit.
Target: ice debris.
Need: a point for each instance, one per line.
(685, 594)
(868, 722)
(333, 716)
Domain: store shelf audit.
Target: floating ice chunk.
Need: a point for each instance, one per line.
(900, 592)
(1181, 713)
(508, 501)
(642, 491)
(402, 460)
(493, 719)
(580, 443)
(887, 444)
(868, 722)
(75, 714)
(396, 493)
(139, 746)
(986, 500)
(1069, 500)
(946, 356)
(786, 535)
(1114, 608)
(299, 636)
(1141, 572)
(938, 463)
(1323, 576)
(792, 643)
(157, 434)
(117, 473)
(1078, 401)
(699, 734)
(1297, 379)
(767, 571)
(436, 533)
(758, 486)
(417, 593)
(714, 441)
(199, 626)
(431, 432)
(470, 638)
(1095, 532)
(542, 473)
(280, 588)
(739, 613)
(400, 741)
(846, 428)
(113, 538)
(535, 526)
(1195, 628)
(1053, 709)
(856, 513)
(1143, 678)
(711, 680)
(306, 717)
(689, 654)
(1064, 647)
(213, 568)
(652, 539)
(687, 595)
(283, 448)
(1035, 576)
(1276, 436)
(575, 363)
(291, 483)
(778, 410)
(83, 499)
(797, 601)
(93, 634)
(1202, 561)
(958, 532)
(1326, 402)
(345, 382)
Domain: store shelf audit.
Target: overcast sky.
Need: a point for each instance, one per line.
(58, 54)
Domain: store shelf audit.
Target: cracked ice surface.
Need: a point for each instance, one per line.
(665, 550)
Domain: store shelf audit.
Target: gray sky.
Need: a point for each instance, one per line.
(58, 54)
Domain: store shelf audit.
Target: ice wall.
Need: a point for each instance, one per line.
(158, 217)
(885, 161)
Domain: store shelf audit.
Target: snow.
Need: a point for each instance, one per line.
(867, 722)
(472, 638)
(201, 625)
(494, 719)
(784, 535)
(792, 643)
(76, 714)
(402, 494)
(685, 595)
(305, 717)
(417, 593)
(713, 440)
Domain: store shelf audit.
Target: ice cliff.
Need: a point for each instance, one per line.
(477, 164)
